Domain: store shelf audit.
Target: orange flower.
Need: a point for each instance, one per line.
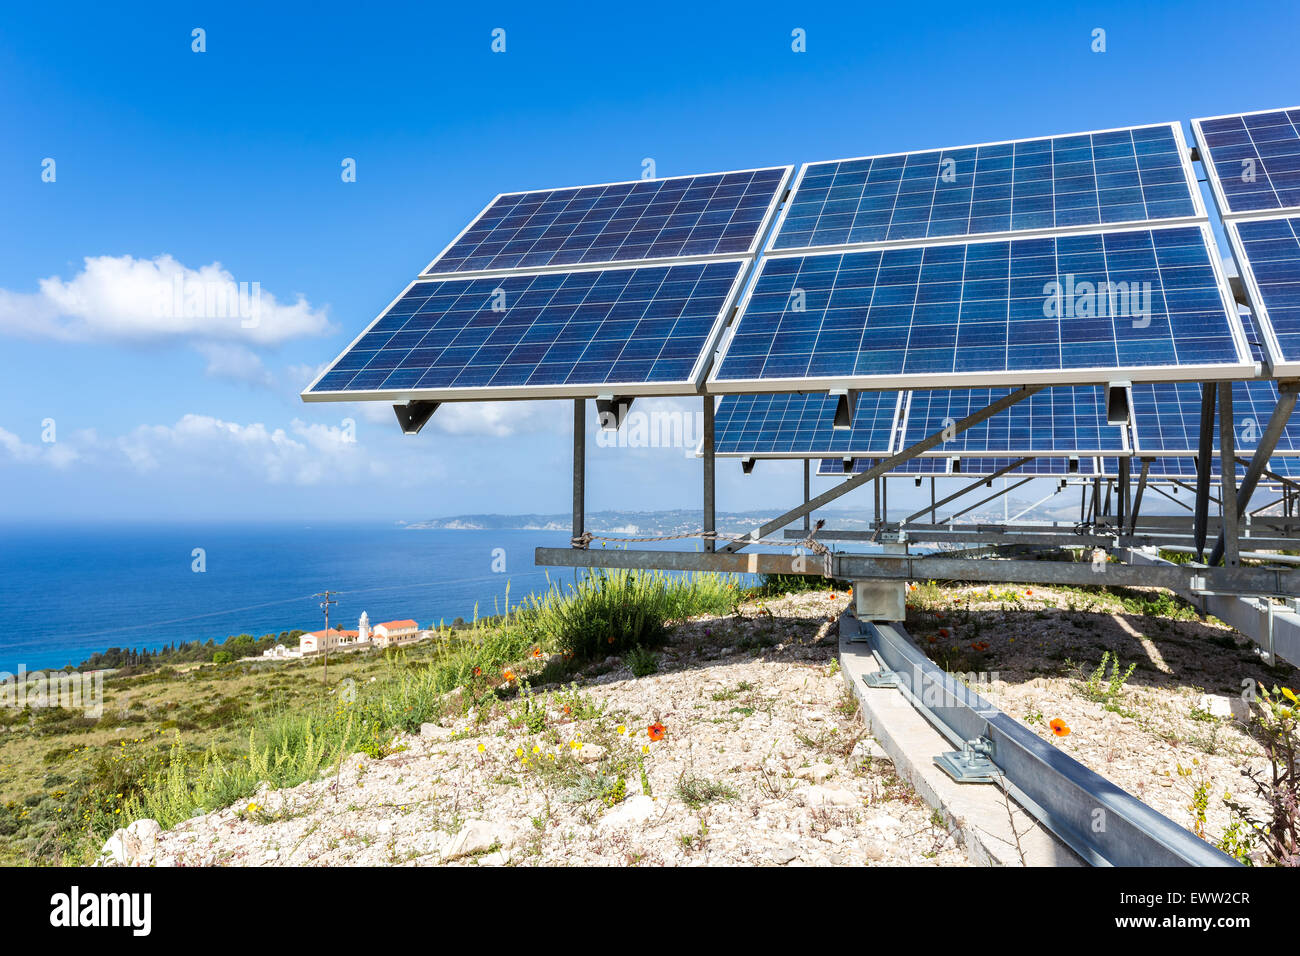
(508, 675)
(478, 672)
(1060, 728)
(943, 632)
(1028, 592)
(537, 652)
(832, 595)
(656, 731)
(611, 640)
(566, 709)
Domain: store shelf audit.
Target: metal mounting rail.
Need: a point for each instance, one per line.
(1105, 825)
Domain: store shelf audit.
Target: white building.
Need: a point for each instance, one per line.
(395, 632)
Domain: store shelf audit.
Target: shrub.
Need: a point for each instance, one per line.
(610, 612)
(641, 661)
(1274, 725)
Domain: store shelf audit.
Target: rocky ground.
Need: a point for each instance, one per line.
(1172, 734)
(761, 761)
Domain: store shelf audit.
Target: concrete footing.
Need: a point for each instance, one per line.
(994, 829)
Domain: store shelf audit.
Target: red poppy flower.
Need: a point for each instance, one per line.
(508, 675)
(1060, 728)
(656, 731)
(478, 672)
(943, 632)
(537, 652)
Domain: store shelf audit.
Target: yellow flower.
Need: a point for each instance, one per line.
(621, 729)
(645, 748)
(519, 751)
(536, 749)
(481, 748)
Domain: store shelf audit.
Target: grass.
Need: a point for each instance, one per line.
(697, 792)
(172, 743)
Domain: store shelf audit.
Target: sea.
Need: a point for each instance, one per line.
(69, 591)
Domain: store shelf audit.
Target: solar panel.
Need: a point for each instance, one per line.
(913, 467)
(583, 333)
(1167, 418)
(1047, 310)
(1268, 254)
(1136, 174)
(720, 214)
(801, 425)
(1252, 159)
(1047, 467)
(1070, 420)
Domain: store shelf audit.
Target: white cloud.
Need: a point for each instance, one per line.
(232, 361)
(57, 454)
(124, 299)
(303, 455)
(500, 419)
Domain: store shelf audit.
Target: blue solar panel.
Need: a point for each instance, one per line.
(801, 425)
(1270, 254)
(1253, 159)
(1047, 467)
(718, 214)
(969, 313)
(1167, 418)
(974, 467)
(913, 467)
(1070, 420)
(1090, 179)
(567, 333)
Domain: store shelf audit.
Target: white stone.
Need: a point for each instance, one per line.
(434, 732)
(477, 836)
(816, 773)
(590, 753)
(632, 811)
(1224, 707)
(819, 796)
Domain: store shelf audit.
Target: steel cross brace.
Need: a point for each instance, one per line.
(885, 466)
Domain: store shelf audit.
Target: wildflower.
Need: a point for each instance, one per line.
(943, 632)
(933, 639)
(253, 808)
(621, 729)
(1029, 592)
(1059, 727)
(568, 709)
(645, 748)
(482, 749)
(656, 731)
(832, 595)
(537, 652)
(610, 640)
(478, 672)
(536, 749)
(508, 675)
(519, 751)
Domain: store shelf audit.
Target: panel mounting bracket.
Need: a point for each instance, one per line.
(972, 764)
(414, 415)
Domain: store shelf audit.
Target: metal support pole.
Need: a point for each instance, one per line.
(1203, 467)
(1268, 441)
(807, 492)
(579, 468)
(933, 513)
(1137, 502)
(1227, 549)
(709, 482)
(1121, 496)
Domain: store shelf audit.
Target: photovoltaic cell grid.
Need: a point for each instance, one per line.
(643, 326)
(972, 467)
(1254, 159)
(1167, 418)
(801, 425)
(1069, 420)
(719, 214)
(984, 309)
(1271, 250)
(913, 467)
(1120, 176)
(1048, 467)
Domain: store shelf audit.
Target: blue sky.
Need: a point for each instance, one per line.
(170, 162)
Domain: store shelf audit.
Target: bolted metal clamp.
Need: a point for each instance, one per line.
(880, 678)
(972, 764)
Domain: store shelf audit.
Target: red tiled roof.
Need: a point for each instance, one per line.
(397, 625)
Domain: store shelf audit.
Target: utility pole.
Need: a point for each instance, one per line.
(325, 648)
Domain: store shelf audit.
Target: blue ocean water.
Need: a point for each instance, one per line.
(66, 592)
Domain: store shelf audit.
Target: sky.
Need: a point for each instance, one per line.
(132, 162)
